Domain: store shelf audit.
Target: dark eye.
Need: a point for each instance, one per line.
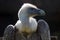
(32, 9)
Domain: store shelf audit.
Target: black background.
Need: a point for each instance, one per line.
(9, 10)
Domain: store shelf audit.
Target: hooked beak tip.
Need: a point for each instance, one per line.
(42, 12)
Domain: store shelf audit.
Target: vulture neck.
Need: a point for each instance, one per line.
(24, 18)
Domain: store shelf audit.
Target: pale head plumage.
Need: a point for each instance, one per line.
(26, 5)
(24, 8)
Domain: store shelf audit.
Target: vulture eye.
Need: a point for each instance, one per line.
(32, 9)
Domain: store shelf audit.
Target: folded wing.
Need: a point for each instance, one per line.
(9, 33)
(43, 30)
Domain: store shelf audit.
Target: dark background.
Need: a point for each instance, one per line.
(9, 10)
